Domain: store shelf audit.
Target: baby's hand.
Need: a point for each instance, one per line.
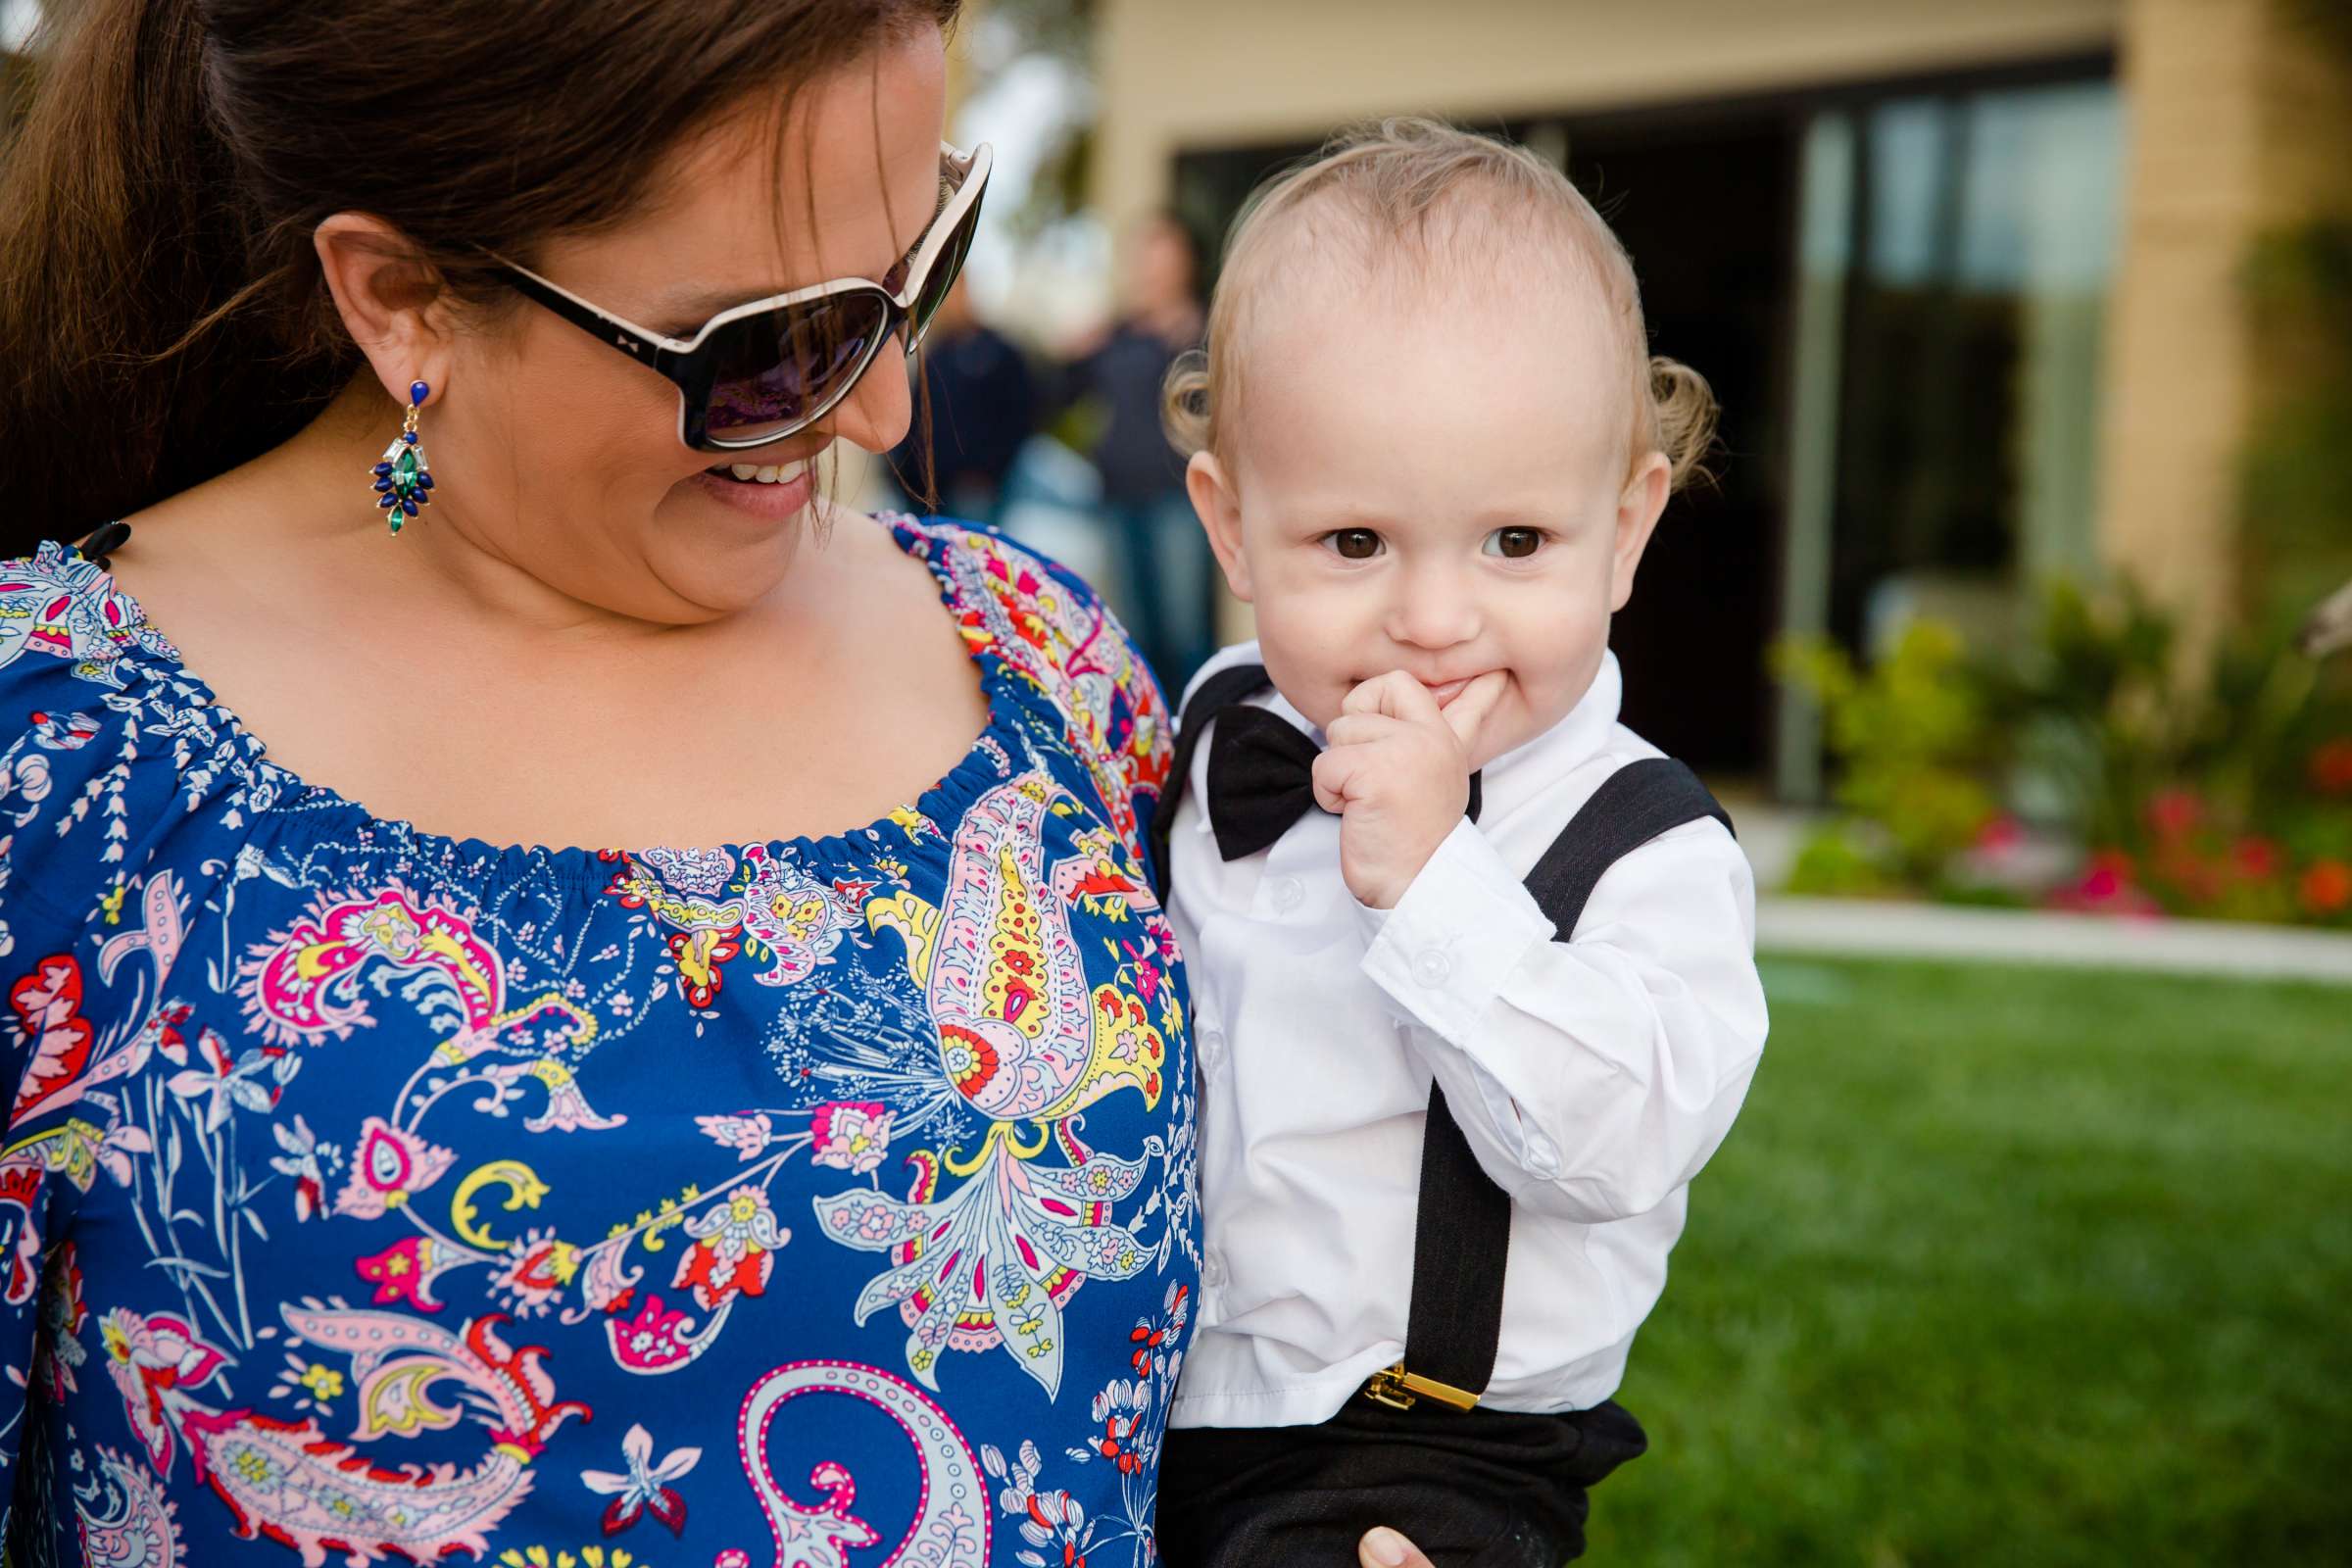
(1397, 771)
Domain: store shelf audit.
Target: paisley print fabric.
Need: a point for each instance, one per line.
(370, 1194)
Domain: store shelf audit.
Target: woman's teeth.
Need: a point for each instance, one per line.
(760, 474)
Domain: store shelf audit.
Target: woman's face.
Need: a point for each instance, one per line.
(561, 456)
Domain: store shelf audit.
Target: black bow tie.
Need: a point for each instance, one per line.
(1262, 779)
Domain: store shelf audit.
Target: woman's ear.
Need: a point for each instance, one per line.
(1638, 506)
(1219, 508)
(390, 299)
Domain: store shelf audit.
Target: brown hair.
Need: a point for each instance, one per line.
(163, 308)
(1395, 181)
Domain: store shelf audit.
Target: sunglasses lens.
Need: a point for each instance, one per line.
(944, 271)
(774, 371)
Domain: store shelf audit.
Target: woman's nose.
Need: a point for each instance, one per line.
(880, 407)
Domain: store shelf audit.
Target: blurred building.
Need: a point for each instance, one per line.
(1966, 278)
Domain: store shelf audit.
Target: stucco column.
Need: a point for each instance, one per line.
(2239, 123)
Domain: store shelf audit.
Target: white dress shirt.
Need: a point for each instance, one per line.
(1592, 1078)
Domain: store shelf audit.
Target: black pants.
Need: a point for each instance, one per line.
(1477, 1488)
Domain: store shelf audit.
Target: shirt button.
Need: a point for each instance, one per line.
(1212, 1049)
(1433, 968)
(1288, 893)
(1212, 1269)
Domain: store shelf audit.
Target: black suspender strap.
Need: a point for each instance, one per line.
(1462, 1233)
(1219, 691)
(1637, 803)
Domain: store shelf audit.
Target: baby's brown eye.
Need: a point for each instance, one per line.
(1356, 544)
(1514, 543)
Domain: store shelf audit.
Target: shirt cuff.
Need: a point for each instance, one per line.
(1464, 923)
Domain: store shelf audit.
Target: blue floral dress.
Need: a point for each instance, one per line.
(369, 1194)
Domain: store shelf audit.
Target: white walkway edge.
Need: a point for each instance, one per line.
(1870, 928)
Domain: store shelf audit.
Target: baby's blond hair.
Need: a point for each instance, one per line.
(1407, 187)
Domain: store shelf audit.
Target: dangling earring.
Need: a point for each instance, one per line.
(404, 484)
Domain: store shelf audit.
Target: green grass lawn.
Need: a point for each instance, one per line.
(2010, 1266)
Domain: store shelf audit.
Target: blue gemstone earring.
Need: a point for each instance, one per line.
(404, 484)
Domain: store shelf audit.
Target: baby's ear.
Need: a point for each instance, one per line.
(1218, 505)
(1638, 506)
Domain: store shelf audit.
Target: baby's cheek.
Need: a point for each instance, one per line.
(1306, 654)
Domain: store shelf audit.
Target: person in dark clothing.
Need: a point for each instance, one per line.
(1165, 584)
(981, 404)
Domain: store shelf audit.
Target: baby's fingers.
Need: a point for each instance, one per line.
(1360, 729)
(1473, 705)
(1335, 771)
(1395, 694)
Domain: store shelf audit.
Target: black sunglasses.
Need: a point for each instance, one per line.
(762, 371)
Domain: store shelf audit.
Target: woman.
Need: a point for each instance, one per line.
(375, 1190)
(382, 1192)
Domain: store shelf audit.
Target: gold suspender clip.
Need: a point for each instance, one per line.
(1398, 1389)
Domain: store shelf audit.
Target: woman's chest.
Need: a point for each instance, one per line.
(836, 703)
(349, 1151)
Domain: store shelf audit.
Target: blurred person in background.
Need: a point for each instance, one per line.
(1162, 586)
(980, 403)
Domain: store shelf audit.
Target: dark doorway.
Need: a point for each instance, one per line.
(1706, 205)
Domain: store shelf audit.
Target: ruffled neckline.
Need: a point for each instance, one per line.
(319, 812)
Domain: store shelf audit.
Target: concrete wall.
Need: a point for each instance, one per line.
(1178, 74)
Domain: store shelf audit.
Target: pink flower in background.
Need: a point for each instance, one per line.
(2173, 812)
(2257, 859)
(2108, 876)
(2000, 834)
(2106, 887)
(2332, 766)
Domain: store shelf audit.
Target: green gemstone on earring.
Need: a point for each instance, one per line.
(404, 470)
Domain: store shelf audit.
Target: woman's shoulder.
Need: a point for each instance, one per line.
(1047, 607)
(61, 614)
(993, 551)
(104, 744)
(1044, 624)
